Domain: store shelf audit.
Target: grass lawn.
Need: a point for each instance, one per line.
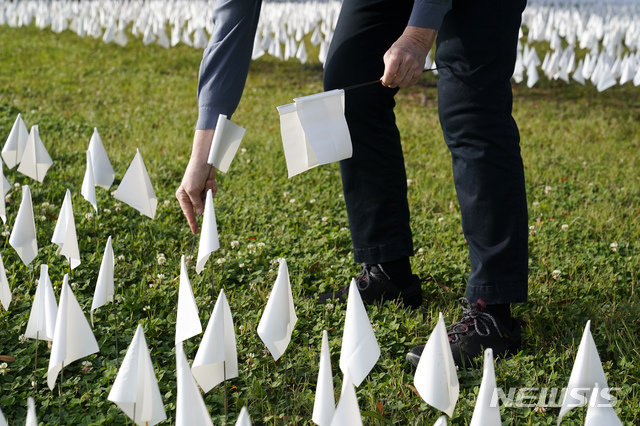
(582, 157)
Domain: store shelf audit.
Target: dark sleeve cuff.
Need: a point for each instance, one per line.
(429, 13)
(208, 116)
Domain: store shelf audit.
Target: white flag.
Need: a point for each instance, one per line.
(64, 234)
(104, 285)
(3, 421)
(73, 338)
(14, 146)
(190, 408)
(136, 190)
(347, 412)
(217, 357)
(35, 159)
(587, 371)
(5, 290)
(600, 412)
(103, 174)
(436, 379)
(314, 131)
(324, 405)
(485, 413)
(188, 321)
(360, 350)
(209, 241)
(4, 189)
(32, 418)
(243, 418)
(279, 316)
(226, 140)
(88, 190)
(44, 310)
(23, 235)
(135, 389)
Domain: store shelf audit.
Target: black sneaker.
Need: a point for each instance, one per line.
(376, 286)
(475, 331)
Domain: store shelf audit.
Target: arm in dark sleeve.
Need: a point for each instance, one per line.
(429, 13)
(225, 62)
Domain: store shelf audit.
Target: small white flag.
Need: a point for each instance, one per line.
(42, 319)
(136, 190)
(35, 159)
(88, 190)
(73, 338)
(314, 131)
(64, 234)
(23, 235)
(5, 290)
(226, 140)
(105, 288)
(4, 189)
(187, 321)
(347, 412)
(14, 146)
(217, 357)
(190, 408)
(360, 350)
(486, 413)
(135, 389)
(436, 379)
(324, 405)
(209, 241)
(587, 371)
(32, 418)
(243, 418)
(600, 412)
(279, 316)
(103, 174)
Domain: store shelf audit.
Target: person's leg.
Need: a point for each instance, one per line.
(374, 179)
(476, 46)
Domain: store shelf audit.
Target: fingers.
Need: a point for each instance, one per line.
(392, 62)
(402, 69)
(187, 208)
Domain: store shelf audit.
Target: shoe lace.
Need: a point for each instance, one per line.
(364, 278)
(472, 316)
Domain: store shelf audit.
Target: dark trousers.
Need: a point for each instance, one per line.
(476, 46)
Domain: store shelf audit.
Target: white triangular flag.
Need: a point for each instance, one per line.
(73, 338)
(23, 235)
(226, 140)
(4, 189)
(64, 234)
(3, 421)
(347, 412)
(35, 160)
(301, 53)
(532, 75)
(103, 173)
(190, 408)
(436, 379)
(32, 418)
(605, 79)
(360, 350)
(486, 413)
(16, 141)
(587, 371)
(209, 241)
(243, 418)
(217, 357)
(88, 190)
(42, 319)
(135, 390)
(136, 190)
(324, 404)
(187, 321)
(442, 421)
(279, 316)
(104, 285)
(5, 290)
(600, 412)
(314, 131)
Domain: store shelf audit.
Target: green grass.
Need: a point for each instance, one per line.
(581, 153)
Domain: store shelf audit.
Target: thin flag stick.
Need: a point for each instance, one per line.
(35, 365)
(357, 86)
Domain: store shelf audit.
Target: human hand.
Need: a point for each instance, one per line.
(404, 61)
(198, 178)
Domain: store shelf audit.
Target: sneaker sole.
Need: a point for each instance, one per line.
(413, 359)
